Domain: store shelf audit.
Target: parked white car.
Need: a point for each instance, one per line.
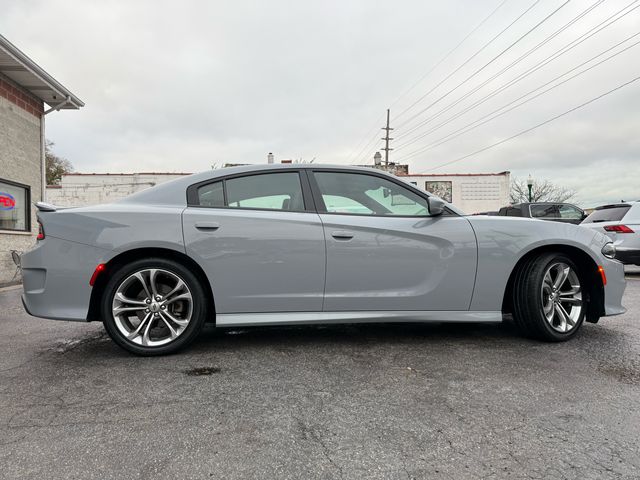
(621, 222)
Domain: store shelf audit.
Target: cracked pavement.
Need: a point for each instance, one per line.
(368, 401)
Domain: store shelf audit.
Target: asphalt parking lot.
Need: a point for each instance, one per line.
(352, 402)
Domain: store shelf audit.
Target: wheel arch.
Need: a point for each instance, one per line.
(135, 254)
(588, 270)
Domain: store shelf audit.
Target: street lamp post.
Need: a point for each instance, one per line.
(530, 186)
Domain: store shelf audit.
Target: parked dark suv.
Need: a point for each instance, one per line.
(556, 212)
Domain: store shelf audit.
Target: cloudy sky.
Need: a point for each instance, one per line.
(179, 86)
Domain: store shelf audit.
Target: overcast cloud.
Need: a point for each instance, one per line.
(179, 86)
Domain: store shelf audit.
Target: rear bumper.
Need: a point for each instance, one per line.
(628, 255)
(56, 276)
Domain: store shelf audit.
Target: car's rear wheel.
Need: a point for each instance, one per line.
(153, 306)
(548, 301)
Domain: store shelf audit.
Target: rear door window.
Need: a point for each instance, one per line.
(264, 191)
(544, 211)
(569, 212)
(270, 191)
(211, 195)
(609, 214)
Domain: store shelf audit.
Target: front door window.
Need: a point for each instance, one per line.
(363, 194)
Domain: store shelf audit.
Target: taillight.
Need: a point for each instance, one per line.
(618, 229)
(40, 231)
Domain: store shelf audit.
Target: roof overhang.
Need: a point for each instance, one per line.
(23, 71)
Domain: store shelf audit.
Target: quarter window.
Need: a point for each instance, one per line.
(364, 194)
(15, 211)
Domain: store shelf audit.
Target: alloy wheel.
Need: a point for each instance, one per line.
(561, 297)
(152, 307)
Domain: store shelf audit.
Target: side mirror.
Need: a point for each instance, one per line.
(436, 206)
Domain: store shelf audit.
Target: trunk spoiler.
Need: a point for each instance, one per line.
(46, 207)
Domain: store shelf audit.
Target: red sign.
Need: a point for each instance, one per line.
(7, 202)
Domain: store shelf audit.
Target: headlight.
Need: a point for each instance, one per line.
(609, 250)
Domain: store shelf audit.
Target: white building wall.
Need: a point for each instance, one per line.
(472, 193)
(81, 189)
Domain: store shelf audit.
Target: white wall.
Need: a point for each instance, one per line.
(76, 190)
(471, 193)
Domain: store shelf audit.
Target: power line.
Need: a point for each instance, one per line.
(505, 69)
(373, 131)
(493, 115)
(523, 132)
(448, 54)
(402, 95)
(558, 53)
(468, 60)
(442, 97)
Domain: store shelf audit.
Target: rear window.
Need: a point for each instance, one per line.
(611, 214)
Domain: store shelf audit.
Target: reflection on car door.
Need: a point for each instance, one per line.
(392, 260)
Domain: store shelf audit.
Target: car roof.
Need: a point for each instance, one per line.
(173, 192)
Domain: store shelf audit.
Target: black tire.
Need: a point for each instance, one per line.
(529, 298)
(198, 306)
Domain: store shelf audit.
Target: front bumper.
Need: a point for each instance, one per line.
(628, 255)
(614, 289)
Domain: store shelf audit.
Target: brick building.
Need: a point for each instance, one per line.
(27, 94)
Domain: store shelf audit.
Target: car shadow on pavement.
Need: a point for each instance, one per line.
(401, 336)
(358, 334)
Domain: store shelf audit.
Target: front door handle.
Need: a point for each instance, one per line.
(207, 226)
(342, 235)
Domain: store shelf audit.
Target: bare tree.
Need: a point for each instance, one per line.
(56, 166)
(541, 191)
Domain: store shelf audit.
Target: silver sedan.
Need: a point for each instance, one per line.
(309, 244)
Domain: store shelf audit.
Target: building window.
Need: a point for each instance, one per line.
(15, 211)
(442, 189)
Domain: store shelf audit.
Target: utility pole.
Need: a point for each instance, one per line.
(386, 139)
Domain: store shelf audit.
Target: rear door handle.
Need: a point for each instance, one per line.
(342, 235)
(207, 226)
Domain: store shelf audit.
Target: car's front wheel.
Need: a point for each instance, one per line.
(153, 306)
(548, 298)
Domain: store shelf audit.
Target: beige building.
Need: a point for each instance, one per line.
(27, 94)
(471, 192)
